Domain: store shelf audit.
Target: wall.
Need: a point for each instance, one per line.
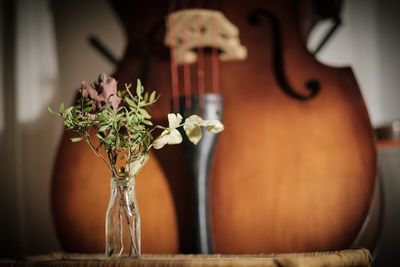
(45, 56)
(368, 42)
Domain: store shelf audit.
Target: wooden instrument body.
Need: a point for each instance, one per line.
(288, 175)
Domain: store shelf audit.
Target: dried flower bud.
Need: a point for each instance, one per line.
(103, 93)
(102, 77)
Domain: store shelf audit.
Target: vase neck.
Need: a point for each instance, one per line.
(123, 181)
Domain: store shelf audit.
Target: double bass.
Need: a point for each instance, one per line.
(294, 170)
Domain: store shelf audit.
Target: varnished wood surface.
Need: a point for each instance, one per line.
(288, 175)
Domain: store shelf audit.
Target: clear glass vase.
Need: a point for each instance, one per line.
(123, 219)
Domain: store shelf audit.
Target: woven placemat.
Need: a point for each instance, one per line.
(354, 257)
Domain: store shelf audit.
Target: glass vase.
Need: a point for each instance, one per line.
(123, 219)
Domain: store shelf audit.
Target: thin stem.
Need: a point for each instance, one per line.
(128, 160)
(158, 127)
(112, 158)
(129, 92)
(125, 207)
(148, 104)
(136, 147)
(121, 234)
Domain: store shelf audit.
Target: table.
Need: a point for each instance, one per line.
(352, 257)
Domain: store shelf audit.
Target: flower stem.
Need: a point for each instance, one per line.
(87, 138)
(124, 206)
(121, 234)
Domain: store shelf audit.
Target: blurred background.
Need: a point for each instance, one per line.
(45, 54)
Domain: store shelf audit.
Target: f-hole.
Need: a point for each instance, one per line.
(312, 85)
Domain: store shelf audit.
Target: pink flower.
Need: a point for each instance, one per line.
(103, 92)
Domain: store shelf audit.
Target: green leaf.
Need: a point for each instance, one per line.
(76, 139)
(62, 107)
(87, 109)
(126, 114)
(144, 113)
(128, 86)
(52, 111)
(105, 114)
(129, 121)
(117, 140)
(147, 122)
(103, 128)
(130, 102)
(111, 111)
(102, 123)
(99, 136)
(68, 110)
(153, 96)
(139, 88)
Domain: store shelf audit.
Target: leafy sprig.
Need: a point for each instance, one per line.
(125, 131)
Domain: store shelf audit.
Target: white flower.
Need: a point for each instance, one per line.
(192, 128)
(171, 135)
(213, 126)
(136, 165)
(193, 125)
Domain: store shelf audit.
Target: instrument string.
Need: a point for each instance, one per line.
(214, 59)
(186, 68)
(174, 66)
(200, 64)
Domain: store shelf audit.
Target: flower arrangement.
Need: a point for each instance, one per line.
(121, 123)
